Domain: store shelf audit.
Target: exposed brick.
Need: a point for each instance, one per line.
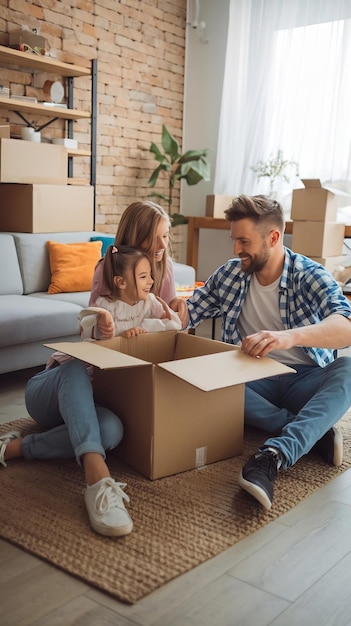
(140, 47)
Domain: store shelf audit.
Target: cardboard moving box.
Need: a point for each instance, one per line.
(179, 396)
(318, 239)
(30, 162)
(314, 203)
(46, 208)
(217, 204)
(334, 263)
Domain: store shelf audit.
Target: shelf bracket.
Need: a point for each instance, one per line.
(37, 128)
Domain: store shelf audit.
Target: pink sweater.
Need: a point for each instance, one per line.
(98, 288)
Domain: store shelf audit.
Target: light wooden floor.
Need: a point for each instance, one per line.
(293, 572)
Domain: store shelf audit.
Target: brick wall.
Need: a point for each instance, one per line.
(140, 46)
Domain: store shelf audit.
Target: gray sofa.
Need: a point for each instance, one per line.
(29, 316)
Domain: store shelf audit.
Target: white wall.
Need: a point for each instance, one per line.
(204, 69)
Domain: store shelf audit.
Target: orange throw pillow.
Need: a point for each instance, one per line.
(72, 265)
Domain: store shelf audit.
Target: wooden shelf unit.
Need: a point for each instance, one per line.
(42, 63)
(12, 104)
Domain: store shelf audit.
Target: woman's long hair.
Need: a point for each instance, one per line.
(137, 228)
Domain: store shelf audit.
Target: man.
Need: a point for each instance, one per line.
(283, 305)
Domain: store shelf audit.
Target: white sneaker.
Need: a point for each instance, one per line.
(107, 513)
(4, 440)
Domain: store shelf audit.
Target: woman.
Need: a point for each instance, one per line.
(144, 225)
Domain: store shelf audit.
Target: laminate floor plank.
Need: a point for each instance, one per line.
(34, 593)
(226, 602)
(82, 611)
(326, 603)
(302, 554)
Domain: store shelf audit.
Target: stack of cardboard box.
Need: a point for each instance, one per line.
(316, 232)
(34, 194)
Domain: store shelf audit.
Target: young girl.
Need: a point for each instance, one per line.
(131, 307)
(145, 225)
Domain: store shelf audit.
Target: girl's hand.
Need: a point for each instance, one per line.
(105, 324)
(133, 332)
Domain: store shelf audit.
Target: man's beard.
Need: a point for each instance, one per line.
(255, 263)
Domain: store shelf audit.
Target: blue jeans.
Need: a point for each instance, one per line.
(61, 401)
(298, 409)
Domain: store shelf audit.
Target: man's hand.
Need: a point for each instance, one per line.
(262, 343)
(133, 332)
(332, 333)
(179, 306)
(105, 324)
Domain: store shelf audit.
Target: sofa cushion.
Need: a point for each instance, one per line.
(33, 256)
(10, 275)
(27, 319)
(106, 240)
(72, 265)
(77, 297)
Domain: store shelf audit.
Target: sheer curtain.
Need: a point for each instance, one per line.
(287, 86)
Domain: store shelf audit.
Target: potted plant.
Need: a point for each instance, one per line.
(192, 166)
(275, 168)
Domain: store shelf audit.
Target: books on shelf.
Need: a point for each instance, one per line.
(59, 105)
(26, 98)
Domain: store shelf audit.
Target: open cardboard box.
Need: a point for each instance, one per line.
(180, 397)
(315, 203)
(216, 205)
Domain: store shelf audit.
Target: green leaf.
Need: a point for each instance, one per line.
(193, 172)
(158, 154)
(170, 145)
(154, 176)
(161, 196)
(178, 218)
(193, 155)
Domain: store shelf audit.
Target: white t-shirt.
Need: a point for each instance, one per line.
(144, 314)
(260, 311)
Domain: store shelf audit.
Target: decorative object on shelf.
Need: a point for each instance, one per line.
(4, 91)
(53, 91)
(27, 40)
(275, 168)
(192, 166)
(30, 134)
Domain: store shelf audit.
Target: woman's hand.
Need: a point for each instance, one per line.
(167, 313)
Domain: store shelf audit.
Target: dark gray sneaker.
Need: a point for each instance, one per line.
(259, 473)
(330, 447)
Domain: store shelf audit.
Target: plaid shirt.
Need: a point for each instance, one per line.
(307, 295)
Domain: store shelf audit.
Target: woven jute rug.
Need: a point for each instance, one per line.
(179, 521)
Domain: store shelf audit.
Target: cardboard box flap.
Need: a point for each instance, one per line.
(92, 353)
(337, 192)
(220, 370)
(311, 183)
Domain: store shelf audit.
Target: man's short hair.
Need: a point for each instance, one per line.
(260, 209)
